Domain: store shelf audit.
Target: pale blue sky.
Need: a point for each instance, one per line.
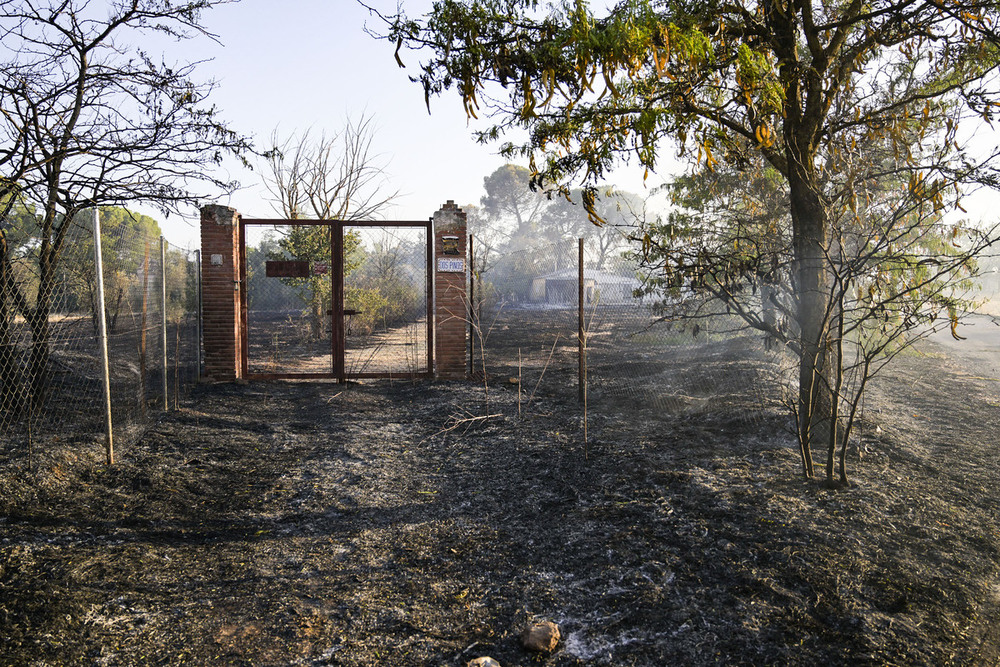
(300, 64)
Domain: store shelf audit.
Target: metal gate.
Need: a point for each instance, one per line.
(336, 299)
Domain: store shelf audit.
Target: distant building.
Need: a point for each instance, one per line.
(560, 288)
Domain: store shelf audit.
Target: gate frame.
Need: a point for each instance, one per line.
(337, 332)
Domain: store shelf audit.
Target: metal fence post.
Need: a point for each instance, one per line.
(102, 332)
(582, 347)
(163, 316)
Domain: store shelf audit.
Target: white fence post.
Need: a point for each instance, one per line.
(102, 333)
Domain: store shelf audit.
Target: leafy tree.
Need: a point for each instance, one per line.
(386, 288)
(520, 233)
(274, 297)
(123, 265)
(90, 121)
(567, 218)
(509, 239)
(727, 236)
(802, 86)
(897, 271)
(512, 202)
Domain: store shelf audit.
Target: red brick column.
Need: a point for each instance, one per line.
(450, 303)
(220, 288)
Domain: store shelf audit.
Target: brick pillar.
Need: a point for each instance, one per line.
(220, 276)
(450, 306)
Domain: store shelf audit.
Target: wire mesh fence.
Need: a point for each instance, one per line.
(52, 377)
(674, 352)
(666, 352)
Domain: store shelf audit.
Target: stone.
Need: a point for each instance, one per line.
(541, 637)
(485, 661)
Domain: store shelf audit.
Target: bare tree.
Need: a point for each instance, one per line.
(335, 177)
(89, 121)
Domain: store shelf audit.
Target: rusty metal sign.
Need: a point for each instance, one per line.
(287, 269)
(449, 244)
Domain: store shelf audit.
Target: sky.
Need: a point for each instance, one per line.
(300, 65)
(308, 64)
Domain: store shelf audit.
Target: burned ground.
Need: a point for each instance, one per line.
(361, 524)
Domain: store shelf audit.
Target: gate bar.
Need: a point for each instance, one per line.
(244, 304)
(429, 289)
(337, 334)
(282, 222)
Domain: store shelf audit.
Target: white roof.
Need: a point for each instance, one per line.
(589, 274)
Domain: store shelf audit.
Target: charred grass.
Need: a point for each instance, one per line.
(361, 524)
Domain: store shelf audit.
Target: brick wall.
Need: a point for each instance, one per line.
(450, 303)
(220, 274)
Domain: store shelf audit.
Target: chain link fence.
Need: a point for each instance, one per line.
(669, 353)
(51, 370)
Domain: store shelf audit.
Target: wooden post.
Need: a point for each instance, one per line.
(339, 335)
(582, 347)
(102, 330)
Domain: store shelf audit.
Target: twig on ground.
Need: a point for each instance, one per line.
(458, 421)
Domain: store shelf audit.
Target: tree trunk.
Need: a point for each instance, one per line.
(837, 370)
(38, 322)
(38, 360)
(769, 314)
(11, 394)
(813, 288)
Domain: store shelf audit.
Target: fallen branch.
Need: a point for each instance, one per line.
(458, 421)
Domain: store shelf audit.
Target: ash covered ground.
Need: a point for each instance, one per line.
(378, 523)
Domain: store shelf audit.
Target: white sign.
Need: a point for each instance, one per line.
(449, 265)
(216, 260)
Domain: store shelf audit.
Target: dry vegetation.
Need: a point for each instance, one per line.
(313, 523)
